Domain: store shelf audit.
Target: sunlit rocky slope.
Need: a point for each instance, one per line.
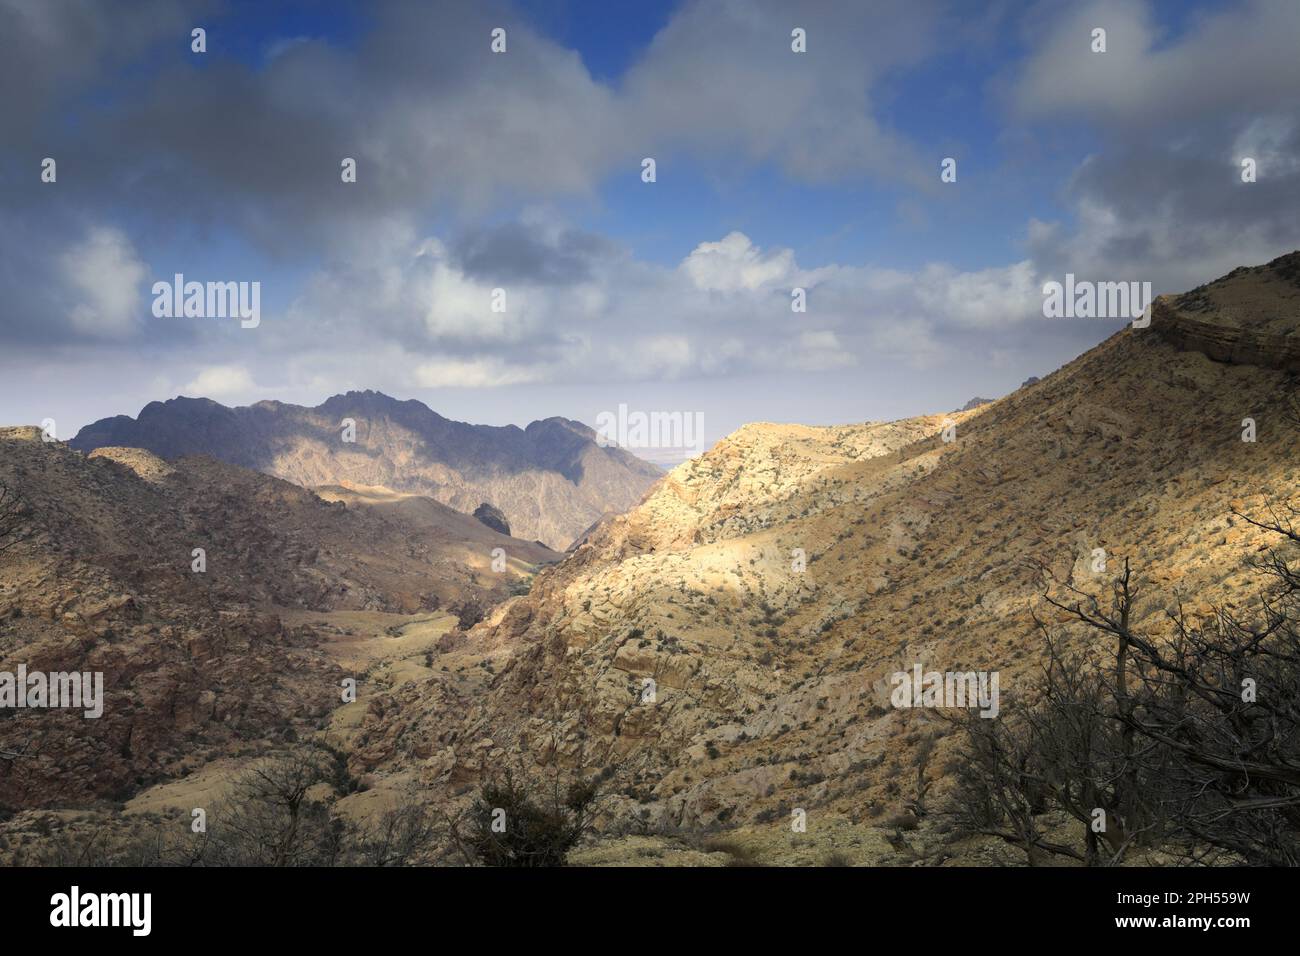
(772, 682)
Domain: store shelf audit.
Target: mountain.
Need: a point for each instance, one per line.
(771, 587)
(203, 660)
(723, 651)
(550, 480)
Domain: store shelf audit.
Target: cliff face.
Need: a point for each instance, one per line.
(1246, 317)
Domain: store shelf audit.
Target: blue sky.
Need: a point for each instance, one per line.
(522, 171)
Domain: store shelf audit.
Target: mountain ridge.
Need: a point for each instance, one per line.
(551, 479)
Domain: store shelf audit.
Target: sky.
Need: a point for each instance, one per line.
(522, 171)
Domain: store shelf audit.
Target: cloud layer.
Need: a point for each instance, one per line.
(227, 167)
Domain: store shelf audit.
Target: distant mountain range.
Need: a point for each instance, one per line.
(550, 481)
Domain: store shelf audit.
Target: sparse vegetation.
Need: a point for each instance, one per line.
(12, 513)
(511, 824)
(1186, 741)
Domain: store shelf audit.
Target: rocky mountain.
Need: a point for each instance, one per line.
(550, 480)
(724, 650)
(201, 591)
(765, 592)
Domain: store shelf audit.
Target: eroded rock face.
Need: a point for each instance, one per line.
(1246, 317)
(493, 518)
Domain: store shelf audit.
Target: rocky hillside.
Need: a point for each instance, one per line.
(199, 660)
(770, 587)
(551, 480)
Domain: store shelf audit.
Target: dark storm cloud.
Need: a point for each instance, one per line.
(432, 117)
(515, 252)
(1164, 199)
(50, 49)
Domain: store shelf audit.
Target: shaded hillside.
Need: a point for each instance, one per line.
(772, 683)
(551, 480)
(197, 665)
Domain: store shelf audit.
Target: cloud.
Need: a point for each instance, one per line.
(390, 281)
(435, 121)
(1271, 142)
(1161, 198)
(1172, 215)
(912, 340)
(191, 156)
(486, 372)
(104, 275)
(1242, 58)
(221, 381)
(986, 298)
(521, 252)
(50, 50)
(724, 309)
(734, 263)
(721, 80)
(819, 351)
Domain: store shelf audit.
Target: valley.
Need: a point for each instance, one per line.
(721, 653)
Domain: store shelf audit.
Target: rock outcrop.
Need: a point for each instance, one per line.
(1246, 317)
(493, 518)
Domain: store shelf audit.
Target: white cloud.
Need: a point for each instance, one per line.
(987, 298)
(724, 309)
(820, 351)
(221, 381)
(911, 340)
(104, 275)
(474, 373)
(734, 264)
(662, 356)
